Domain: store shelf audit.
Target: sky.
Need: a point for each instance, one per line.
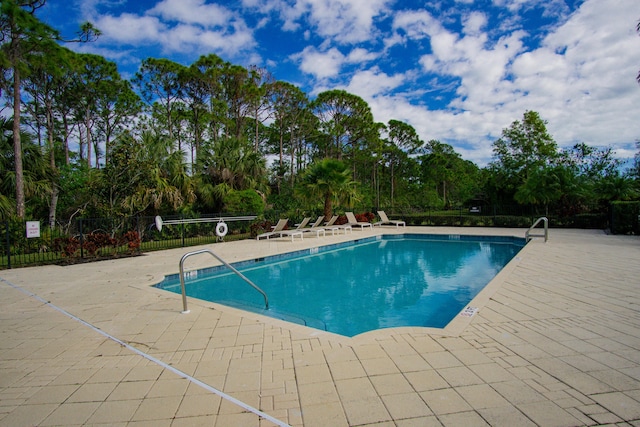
(458, 71)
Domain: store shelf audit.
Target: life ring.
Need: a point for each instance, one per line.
(221, 229)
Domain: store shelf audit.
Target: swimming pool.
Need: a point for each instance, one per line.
(363, 285)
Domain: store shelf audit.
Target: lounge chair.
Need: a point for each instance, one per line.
(336, 228)
(282, 223)
(318, 222)
(279, 231)
(384, 220)
(351, 218)
(315, 227)
(303, 224)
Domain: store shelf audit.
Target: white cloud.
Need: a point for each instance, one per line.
(393, 40)
(183, 38)
(343, 21)
(372, 82)
(359, 55)
(474, 23)
(416, 24)
(130, 29)
(193, 12)
(179, 29)
(346, 21)
(555, 8)
(582, 76)
(321, 65)
(481, 65)
(324, 64)
(460, 76)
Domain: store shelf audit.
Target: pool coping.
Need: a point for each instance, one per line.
(455, 327)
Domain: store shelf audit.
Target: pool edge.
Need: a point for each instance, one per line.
(454, 328)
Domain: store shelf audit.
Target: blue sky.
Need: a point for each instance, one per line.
(459, 71)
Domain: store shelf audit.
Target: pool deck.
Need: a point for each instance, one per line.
(555, 341)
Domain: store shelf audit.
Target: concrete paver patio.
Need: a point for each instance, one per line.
(555, 342)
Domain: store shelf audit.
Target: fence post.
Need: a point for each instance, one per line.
(8, 244)
(81, 238)
(183, 230)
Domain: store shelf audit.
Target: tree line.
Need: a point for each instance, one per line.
(212, 136)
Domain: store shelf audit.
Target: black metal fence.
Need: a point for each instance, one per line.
(88, 239)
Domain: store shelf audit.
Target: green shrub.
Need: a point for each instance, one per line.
(585, 221)
(243, 202)
(624, 217)
(511, 221)
(416, 219)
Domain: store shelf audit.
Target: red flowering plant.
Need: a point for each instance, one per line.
(365, 217)
(67, 246)
(97, 240)
(133, 241)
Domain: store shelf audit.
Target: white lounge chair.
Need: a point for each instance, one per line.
(303, 227)
(318, 222)
(336, 228)
(304, 223)
(354, 222)
(279, 231)
(384, 220)
(282, 223)
(315, 227)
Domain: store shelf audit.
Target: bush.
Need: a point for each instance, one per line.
(132, 239)
(244, 201)
(624, 217)
(512, 221)
(447, 220)
(365, 217)
(415, 219)
(473, 221)
(585, 221)
(67, 246)
(260, 227)
(96, 241)
(342, 219)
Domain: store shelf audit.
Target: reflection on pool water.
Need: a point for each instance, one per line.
(359, 286)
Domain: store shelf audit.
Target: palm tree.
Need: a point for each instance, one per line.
(237, 166)
(541, 187)
(232, 165)
(169, 184)
(638, 30)
(37, 173)
(328, 180)
(616, 187)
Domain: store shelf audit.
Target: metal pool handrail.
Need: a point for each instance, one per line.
(182, 286)
(528, 235)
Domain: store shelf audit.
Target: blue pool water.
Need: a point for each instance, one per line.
(355, 287)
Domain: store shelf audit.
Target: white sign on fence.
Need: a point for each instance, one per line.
(33, 229)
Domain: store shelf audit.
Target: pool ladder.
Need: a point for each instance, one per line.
(528, 236)
(242, 276)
